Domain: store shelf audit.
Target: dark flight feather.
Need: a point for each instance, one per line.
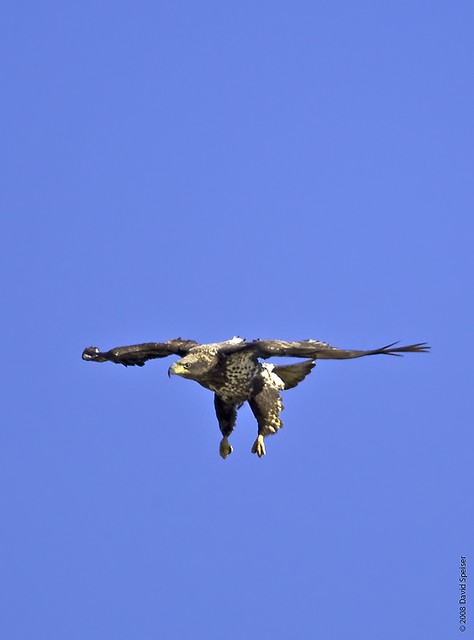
(314, 349)
(138, 354)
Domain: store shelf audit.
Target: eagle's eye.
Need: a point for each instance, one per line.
(185, 365)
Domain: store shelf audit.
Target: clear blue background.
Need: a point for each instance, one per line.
(205, 169)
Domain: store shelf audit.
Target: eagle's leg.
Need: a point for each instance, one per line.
(226, 415)
(266, 406)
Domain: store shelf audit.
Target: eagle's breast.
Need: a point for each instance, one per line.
(236, 379)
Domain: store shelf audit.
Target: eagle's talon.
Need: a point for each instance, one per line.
(225, 449)
(259, 447)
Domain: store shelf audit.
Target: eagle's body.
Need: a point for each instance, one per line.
(233, 377)
(233, 371)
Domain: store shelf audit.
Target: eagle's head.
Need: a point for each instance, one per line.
(94, 354)
(194, 366)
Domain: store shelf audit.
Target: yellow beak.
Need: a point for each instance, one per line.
(176, 369)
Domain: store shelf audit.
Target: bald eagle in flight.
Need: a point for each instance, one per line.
(233, 371)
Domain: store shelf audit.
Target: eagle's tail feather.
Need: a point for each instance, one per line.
(293, 374)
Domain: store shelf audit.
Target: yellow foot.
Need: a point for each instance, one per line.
(259, 447)
(224, 448)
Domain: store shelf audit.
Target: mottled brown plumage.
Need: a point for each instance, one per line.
(233, 371)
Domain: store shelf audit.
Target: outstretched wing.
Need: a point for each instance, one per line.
(314, 349)
(138, 354)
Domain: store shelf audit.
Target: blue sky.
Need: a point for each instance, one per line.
(204, 170)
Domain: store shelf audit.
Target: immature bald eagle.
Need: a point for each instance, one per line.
(233, 371)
